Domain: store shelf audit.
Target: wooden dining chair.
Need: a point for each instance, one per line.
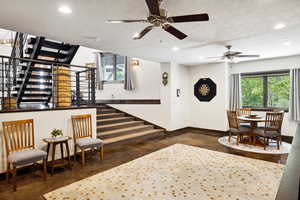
(19, 143)
(82, 133)
(234, 126)
(244, 112)
(272, 128)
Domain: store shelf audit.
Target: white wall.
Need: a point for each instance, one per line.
(209, 115)
(288, 127)
(172, 112)
(179, 105)
(146, 78)
(44, 123)
(266, 65)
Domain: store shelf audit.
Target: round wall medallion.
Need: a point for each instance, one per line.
(205, 89)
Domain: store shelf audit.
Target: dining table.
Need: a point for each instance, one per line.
(253, 120)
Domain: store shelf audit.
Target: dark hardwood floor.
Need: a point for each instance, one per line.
(32, 187)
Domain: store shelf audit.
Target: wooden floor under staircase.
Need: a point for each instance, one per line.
(116, 127)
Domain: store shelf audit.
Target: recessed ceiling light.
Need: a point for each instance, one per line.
(175, 48)
(65, 9)
(279, 26)
(201, 57)
(287, 43)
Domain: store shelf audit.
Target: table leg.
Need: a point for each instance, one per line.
(48, 149)
(53, 158)
(62, 151)
(253, 127)
(68, 153)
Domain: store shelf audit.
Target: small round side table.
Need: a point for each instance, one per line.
(63, 140)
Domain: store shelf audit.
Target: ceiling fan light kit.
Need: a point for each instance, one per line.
(158, 17)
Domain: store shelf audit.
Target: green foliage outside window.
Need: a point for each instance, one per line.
(266, 91)
(252, 92)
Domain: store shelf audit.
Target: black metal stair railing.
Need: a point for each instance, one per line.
(17, 51)
(50, 84)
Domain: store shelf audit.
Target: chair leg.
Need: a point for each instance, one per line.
(82, 157)
(254, 139)
(265, 143)
(8, 172)
(280, 138)
(101, 152)
(45, 169)
(75, 152)
(229, 137)
(238, 139)
(14, 178)
(278, 143)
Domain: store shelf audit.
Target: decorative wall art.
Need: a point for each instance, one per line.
(165, 77)
(205, 89)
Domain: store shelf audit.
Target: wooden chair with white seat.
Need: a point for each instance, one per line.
(20, 148)
(272, 128)
(83, 139)
(234, 126)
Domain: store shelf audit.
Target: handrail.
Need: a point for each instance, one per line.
(47, 62)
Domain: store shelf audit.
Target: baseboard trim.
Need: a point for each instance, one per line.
(205, 131)
(211, 132)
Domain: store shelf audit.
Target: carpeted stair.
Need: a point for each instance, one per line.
(116, 127)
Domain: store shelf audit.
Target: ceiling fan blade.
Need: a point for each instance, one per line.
(247, 56)
(180, 35)
(153, 6)
(236, 53)
(143, 33)
(189, 18)
(218, 57)
(125, 21)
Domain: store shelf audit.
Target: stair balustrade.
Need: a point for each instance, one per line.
(50, 84)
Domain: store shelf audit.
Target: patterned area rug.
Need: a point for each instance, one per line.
(285, 148)
(180, 172)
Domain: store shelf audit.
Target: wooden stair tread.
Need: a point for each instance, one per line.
(132, 136)
(114, 119)
(107, 109)
(101, 107)
(109, 114)
(123, 130)
(118, 124)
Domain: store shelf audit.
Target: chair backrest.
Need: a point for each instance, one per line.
(18, 135)
(82, 126)
(232, 119)
(244, 111)
(274, 121)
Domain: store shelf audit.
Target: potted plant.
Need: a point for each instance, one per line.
(56, 132)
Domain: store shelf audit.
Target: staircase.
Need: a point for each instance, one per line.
(34, 79)
(116, 127)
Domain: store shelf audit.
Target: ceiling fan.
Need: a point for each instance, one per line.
(158, 18)
(230, 55)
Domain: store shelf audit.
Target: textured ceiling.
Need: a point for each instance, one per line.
(246, 24)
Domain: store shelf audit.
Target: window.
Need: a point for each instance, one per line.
(113, 67)
(266, 90)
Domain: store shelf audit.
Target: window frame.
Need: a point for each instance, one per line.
(265, 76)
(114, 81)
